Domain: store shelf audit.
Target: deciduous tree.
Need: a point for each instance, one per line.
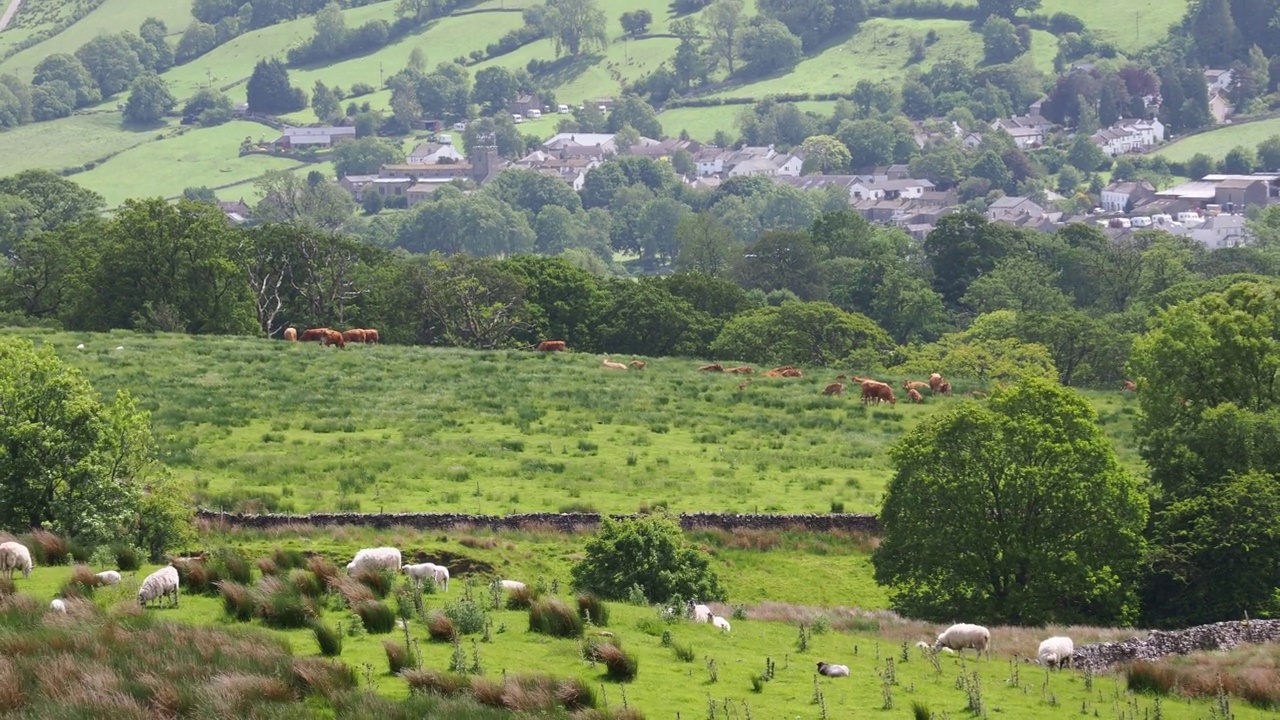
(648, 552)
(149, 100)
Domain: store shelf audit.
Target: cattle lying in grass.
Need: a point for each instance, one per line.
(741, 370)
(877, 392)
(291, 334)
(915, 385)
(551, 346)
(714, 367)
(314, 334)
(610, 365)
(834, 388)
(637, 364)
(1130, 385)
(833, 670)
(978, 394)
(914, 396)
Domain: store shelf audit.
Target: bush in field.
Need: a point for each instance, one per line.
(621, 665)
(82, 583)
(440, 627)
(305, 583)
(230, 564)
(591, 609)
(378, 580)
(520, 598)
(467, 615)
(397, 656)
(237, 600)
(376, 617)
(47, 548)
(127, 558)
(329, 639)
(553, 617)
(650, 552)
(281, 606)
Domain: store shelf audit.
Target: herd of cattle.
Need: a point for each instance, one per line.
(873, 391)
(326, 337)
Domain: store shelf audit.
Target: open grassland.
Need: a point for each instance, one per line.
(266, 424)
(887, 671)
(1131, 25)
(71, 141)
(703, 122)
(1217, 143)
(163, 168)
(110, 17)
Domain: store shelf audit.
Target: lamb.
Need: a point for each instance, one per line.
(698, 613)
(159, 584)
(441, 577)
(108, 577)
(15, 556)
(381, 557)
(58, 606)
(419, 572)
(1056, 652)
(963, 635)
(720, 622)
(833, 670)
(509, 585)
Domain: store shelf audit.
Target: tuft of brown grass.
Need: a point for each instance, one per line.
(1251, 673)
(7, 587)
(521, 598)
(49, 549)
(237, 600)
(267, 567)
(324, 570)
(324, 677)
(487, 692)
(352, 592)
(593, 610)
(240, 694)
(378, 580)
(478, 543)
(82, 583)
(434, 682)
(553, 617)
(620, 665)
(440, 627)
(397, 656)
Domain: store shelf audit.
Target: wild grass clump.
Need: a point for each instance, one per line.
(327, 678)
(593, 610)
(231, 565)
(237, 600)
(352, 592)
(553, 617)
(620, 665)
(281, 606)
(127, 558)
(684, 653)
(376, 617)
(521, 598)
(324, 570)
(591, 645)
(47, 548)
(81, 584)
(1251, 673)
(305, 583)
(197, 577)
(440, 627)
(378, 580)
(434, 682)
(397, 656)
(288, 559)
(7, 586)
(329, 639)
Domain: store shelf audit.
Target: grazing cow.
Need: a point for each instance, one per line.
(637, 364)
(354, 335)
(333, 337)
(371, 337)
(944, 388)
(609, 364)
(859, 380)
(314, 335)
(873, 391)
(935, 382)
(834, 388)
(714, 367)
(914, 396)
(1131, 386)
(291, 334)
(741, 370)
(551, 346)
(915, 385)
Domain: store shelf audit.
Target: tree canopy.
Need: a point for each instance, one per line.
(649, 552)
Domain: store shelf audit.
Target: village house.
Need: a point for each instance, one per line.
(569, 168)
(1010, 207)
(1119, 196)
(599, 144)
(416, 181)
(526, 102)
(295, 138)
(1129, 135)
(1218, 81)
(1236, 191)
(431, 153)
(1027, 131)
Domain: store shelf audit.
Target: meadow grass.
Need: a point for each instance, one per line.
(1217, 143)
(702, 122)
(1131, 25)
(71, 141)
(255, 424)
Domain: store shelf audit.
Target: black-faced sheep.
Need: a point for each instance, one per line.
(833, 670)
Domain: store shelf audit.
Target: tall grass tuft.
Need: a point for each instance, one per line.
(620, 665)
(281, 606)
(288, 559)
(324, 570)
(378, 580)
(81, 584)
(48, 549)
(237, 600)
(329, 639)
(440, 627)
(553, 617)
(376, 617)
(434, 682)
(305, 583)
(593, 610)
(397, 656)
(920, 711)
(1251, 673)
(231, 565)
(127, 558)
(520, 598)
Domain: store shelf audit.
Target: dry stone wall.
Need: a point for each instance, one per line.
(1217, 636)
(564, 522)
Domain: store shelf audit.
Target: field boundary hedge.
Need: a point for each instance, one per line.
(563, 522)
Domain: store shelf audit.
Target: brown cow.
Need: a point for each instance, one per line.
(915, 385)
(743, 385)
(741, 370)
(944, 388)
(354, 335)
(714, 367)
(314, 334)
(834, 389)
(290, 334)
(935, 382)
(371, 337)
(914, 396)
(859, 380)
(1131, 386)
(873, 391)
(637, 364)
(333, 337)
(792, 372)
(551, 346)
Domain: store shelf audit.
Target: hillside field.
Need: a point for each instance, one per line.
(1218, 142)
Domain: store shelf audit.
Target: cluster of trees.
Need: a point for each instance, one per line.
(219, 21)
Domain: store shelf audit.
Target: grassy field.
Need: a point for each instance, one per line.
(702, 123)
(1131, 25)
(70, 141)
(1217, 143)
(262, 424)
(888, 674)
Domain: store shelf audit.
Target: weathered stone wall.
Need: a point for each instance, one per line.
(1218, 636)
(565, 522)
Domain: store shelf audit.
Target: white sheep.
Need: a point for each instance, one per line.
(964, 635)
(159, 584)
(80, 346)
(108, 577)
(376, 558)
(15, 556)
(442, 577)
(697, 612)
(720, 622)
(420, 572)
(833, 670)
(1056, 652)
(509, 585)
(58, 606)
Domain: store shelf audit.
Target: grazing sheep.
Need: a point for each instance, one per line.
(108, 577)
(419, 572)
(964, 635)
(381, 557)
(441, 577)
(924, 645)
(833, 670)
(1056, 652)
(15, 556)
(697, 613)
(159, 584)
(720, 622)
(58, 606)
(509, 585)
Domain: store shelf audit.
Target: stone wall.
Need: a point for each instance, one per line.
(564, 522)
(1218, 636)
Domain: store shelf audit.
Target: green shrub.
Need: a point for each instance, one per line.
(288, 559)
(467, 615)
(127, 558)
(231, 565)
(376, 617)
(329, 639)
(553, 617)
(684, 653)
(378, 580)
(649, 551)
(620, 665)
(592, 610)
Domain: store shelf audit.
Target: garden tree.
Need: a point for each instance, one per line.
(718, 297)
(288, 198)
(1194, 112)
(1239, 160)
(325, 104)
(111, 62)
(824, 154)
(815, 20)
(1199, 165)
(1217, 39)
(532, 191)
(723, 21)
(467, 302)
(813, 333)
(961, 248)
(17, 103)
(705, 245)
(200, 193)
(996, 473)
(1084, 349)
(771, 122)
(67, 69)
(636, 22)
(634, 111)
(198, 39)
(870, 142)
(371, 203)
(659, 224)
(499, 131)
(149, 100)
(648, 552)
(479, 225)
(1268, 153)
(1084, 155)
(768, 46)
(495, 89)
(781, 260)
(625, 209)
(575, 26)
(561, 301)
(269, 91)
(644, 318)
(1021, 283)
(74, 464)
(56, 200)
(154, 32)
(1000, 42)
(1166, 262)
(917, 100)
(405, 105)
(446, 93)
(364, 156)
(692, 62)
(941, 165)
(209, 106)
(1069, 180)
(1006, 8)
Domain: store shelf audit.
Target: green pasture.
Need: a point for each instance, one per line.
(259, 424)
(205, 156)
(888, 674)
(703, 122)
(72, 141)
(1131, 25)
(1217, 143)
(110, 17)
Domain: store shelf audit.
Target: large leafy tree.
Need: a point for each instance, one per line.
(724, 21)
(644, 318)
(814, 333)
(364, 156)
(56, 200)
(1016, 512)
(478, 225)
(111, 61)
(705, 245)
(782, 260)
(648, 552)
(288, 198)
(563, 302)
(71, 71)
(149, 100)
(575, 26)
(961, 248)
(269, 91)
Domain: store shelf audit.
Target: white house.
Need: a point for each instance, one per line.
(1027, 131)
(1218, 80)
(433, 153)
(1118, 196)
